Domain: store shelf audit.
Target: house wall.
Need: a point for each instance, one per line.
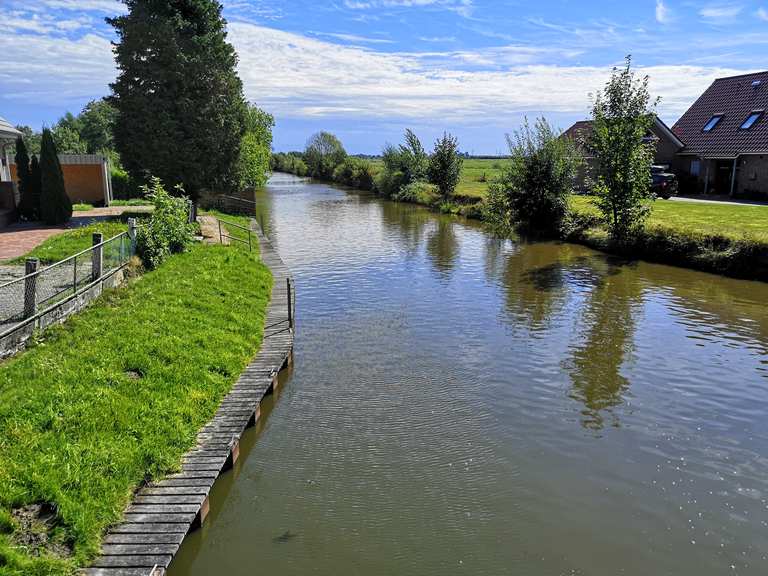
(82, 182)
(752, 176)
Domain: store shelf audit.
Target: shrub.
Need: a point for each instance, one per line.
(419, 192)
(532, 192)
(168, 230)
(445, 164)
(388, 183)
(55, 206)
(35, 184)
(356, 173)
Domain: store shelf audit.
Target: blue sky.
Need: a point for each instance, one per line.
(368, 69)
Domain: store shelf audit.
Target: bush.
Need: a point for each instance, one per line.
(28, 205)
(388, 183)
(356, 173)
(532, 192)
(419, 192)
(445, 164)
(168, 230)
(55, 206)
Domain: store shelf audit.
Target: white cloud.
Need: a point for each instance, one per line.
(105, 6)
(663, 13)
(461, 7)
(353, 38)
(762, 13)
(295, 76)
(716, 12)
(437, 39)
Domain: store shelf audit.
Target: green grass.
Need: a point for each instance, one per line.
(72, 241)
(727, 220)
(81, 207)
(244, 221)
(132, 202)
(117, 394)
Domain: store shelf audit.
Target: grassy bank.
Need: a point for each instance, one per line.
(115, 397)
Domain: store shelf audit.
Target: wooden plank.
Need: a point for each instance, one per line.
(163, 508)
(150, 528)
(147, 562)
(145, 538)
(160, 571)
(161, 518)
(139, 549)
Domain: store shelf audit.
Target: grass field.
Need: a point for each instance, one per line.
(115, 397)
(72, 241)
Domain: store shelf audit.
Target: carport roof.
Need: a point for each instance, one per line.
(7, 131)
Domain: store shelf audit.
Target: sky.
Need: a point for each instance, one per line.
(368, 69)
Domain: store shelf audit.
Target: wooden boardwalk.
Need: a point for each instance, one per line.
(162, 513)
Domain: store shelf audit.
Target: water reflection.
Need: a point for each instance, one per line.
(602, 342)
(443, 246)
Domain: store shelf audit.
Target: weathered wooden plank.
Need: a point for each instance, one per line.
(174, 490)
(163, 508)
(189, 499)
(159, 571)
(160, 518)
(147, 562)
(146, 538)
(150, 528)
(139, 549)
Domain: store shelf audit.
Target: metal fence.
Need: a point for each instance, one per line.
(225, 232)
(37, 289)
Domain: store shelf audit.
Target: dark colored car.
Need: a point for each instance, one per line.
(663, 184)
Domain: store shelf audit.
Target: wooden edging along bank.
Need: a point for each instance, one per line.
(162, 513)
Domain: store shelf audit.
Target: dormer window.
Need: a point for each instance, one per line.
(714, 121)
(753, 117)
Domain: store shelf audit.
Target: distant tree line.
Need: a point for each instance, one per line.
(408, 171)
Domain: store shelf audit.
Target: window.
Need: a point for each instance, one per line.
(751, 119)
(709, 126)
(695, 167)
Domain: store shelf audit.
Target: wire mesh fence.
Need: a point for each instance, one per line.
(26, 291)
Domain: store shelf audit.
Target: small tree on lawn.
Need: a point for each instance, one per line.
(55, 206)
(27, 206)
(445, 165)
(532, 191)
(622, 115)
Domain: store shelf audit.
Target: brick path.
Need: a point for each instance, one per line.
(18, 239)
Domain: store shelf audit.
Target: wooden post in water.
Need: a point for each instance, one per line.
(290, 305)
(97, 256)
(30, 287)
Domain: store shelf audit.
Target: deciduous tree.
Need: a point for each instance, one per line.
(445, 165)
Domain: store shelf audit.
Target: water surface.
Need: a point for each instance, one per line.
(464, 404)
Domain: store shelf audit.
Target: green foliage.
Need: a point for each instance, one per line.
(28, 204)
(324, 152)
(290, 163)
(355, 173)
(97, 121)
(256, 148)
(67, 139)
(82, 207)
(418, 192)
(181, 112)
(55, 206)
(117, 395)
(388, 183)
(532, 192)
(31, 139)
(444, 169)
(622, 116)
(409, 158)
(168, 230)
(35, 184)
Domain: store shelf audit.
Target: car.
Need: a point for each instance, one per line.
(663, 183)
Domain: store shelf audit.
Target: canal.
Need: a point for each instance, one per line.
(464, 404)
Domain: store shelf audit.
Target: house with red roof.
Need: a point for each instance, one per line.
(719, 146)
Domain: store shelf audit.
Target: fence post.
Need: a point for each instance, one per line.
(97, 256)
(249, 241)
(132, 234)
(221, 236)
(290, 304)
(30, 287)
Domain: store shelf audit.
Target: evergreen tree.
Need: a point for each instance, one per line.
(27, 207)
(181, 110)
(55, 206)
(35, 185)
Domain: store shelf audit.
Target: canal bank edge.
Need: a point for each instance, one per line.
(162, 513)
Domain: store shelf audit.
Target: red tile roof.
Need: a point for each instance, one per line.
(734, 97)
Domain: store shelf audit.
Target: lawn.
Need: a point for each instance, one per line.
(116, 396)
(731, 221)
(72, 241)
